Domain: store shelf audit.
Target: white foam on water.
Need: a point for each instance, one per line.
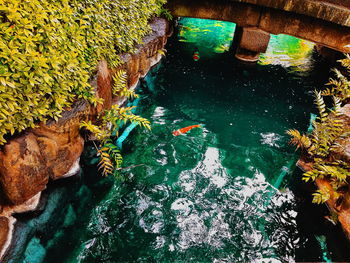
(271, 139)
(158, 115)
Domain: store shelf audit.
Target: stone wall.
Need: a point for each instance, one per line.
(52, 150)
(335, 11)
(321, 22)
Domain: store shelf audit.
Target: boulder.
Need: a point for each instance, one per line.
(49, 151)
(104, 84)
(61, 144)
(342, 209)
(23, 170)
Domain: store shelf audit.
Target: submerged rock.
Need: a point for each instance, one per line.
(35, 252)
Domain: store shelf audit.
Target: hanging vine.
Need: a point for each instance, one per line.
(109, 122)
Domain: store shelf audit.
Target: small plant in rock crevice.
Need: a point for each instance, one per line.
(109, 122)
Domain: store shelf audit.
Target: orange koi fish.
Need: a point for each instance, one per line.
(184, 130)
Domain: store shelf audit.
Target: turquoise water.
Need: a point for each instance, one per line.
(212, 36)
(216, 37)
(206, 196)
(225, 192)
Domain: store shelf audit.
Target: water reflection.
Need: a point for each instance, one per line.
(216, 37)
(288, 51)
(211, 35)
(237, 213)
(209, 195)
(231, 218)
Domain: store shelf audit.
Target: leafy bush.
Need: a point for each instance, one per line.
(50, 48)
(327, 130)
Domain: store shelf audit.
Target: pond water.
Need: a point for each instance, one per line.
(225, 192)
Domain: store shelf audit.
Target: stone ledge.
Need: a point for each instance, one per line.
(335, 11)
(276, 17)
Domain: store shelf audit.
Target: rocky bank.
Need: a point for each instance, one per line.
(52, 150)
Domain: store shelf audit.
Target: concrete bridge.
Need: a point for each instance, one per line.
(324, 22)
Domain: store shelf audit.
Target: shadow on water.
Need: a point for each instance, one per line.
(312, 223)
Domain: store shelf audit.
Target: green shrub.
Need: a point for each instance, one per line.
(328, 129)
(49, 49)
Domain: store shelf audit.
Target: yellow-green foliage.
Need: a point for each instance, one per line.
(340, 86)
(320, 143)
(49, 49)
(320, 196)
(105, 161)
(328, 129)
(110, 121)
(120, 87)
(299, 140)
